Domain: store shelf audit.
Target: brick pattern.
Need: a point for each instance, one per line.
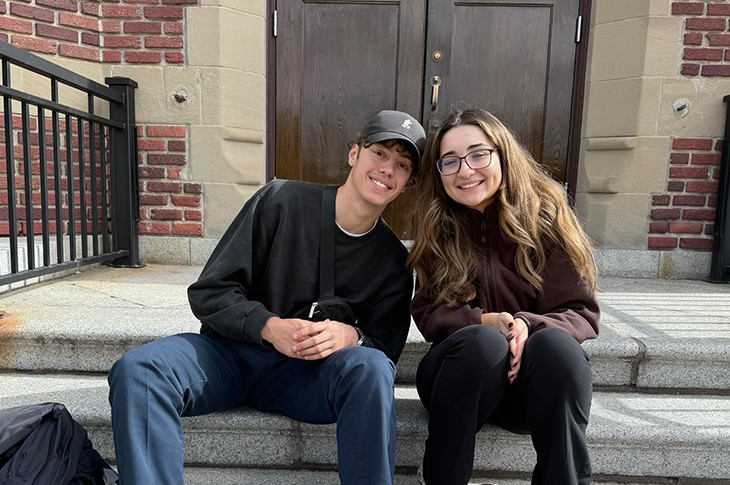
(109, 31)
(56, 202)
(169, 204)
(140, 32)
(684, 216)
(706, 38)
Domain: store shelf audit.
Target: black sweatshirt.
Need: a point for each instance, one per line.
(267, 264)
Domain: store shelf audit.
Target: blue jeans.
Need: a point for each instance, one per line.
(153, 386)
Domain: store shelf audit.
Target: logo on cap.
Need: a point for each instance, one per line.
(407, 124)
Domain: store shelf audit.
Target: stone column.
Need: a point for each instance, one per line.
(634, 47)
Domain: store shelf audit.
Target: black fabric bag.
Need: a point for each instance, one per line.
(328, 306)
(42, 444)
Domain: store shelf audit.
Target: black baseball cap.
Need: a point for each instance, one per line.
(396, 125)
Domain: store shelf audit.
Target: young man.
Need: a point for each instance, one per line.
(252, 352)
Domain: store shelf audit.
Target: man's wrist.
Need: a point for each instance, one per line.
(360, 337)
(267, 330)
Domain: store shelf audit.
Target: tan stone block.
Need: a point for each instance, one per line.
(247, 49)
(645, 46)
(706, 111)
(40, 86)
(203, 36)
(183, 90)
(222, 37)
(223, 202)
(615, 221)
(150, 95)
(66, 95)
(623, 165)
(664, 46)
(91, 70)
(156, 93)
(660, 8)
(624, 107)
(221, 154)
(613, 10)
(233, 98)
(619, 49)
(255, 7)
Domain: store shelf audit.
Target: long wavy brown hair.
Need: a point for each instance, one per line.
(533, 210)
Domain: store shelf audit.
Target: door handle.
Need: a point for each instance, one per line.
(435, 83)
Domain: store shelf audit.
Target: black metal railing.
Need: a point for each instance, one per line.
(720, 267)
(69, 192)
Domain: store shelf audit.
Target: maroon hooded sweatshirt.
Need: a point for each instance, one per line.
(566, 300)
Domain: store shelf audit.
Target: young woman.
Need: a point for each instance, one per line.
(506, 283)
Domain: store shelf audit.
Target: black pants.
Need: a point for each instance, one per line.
(462, 381)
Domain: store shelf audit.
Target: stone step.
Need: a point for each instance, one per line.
(655, 334)
(255, 476)
(633, 436)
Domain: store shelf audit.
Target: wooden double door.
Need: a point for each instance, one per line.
(338, 62)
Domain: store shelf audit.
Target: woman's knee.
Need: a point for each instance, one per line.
(555, 355)
(475, 354)
(481, 345)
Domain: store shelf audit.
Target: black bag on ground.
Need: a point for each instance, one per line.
(42, 444)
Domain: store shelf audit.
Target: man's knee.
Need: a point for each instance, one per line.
(367, 366)
(140, 367)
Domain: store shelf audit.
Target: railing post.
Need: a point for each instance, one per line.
(125, 189)
(720, 268)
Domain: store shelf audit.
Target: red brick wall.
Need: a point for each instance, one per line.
(683, 216)
(706, 38)
(168, 203)
(121, 32)
(91, 198)
(110, 31)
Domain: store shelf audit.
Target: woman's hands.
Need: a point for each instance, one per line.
(515, 331)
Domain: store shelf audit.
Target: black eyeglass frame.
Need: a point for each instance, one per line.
(439, 162)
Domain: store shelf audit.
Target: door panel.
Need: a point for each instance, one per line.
(513, 58)
(338, 64)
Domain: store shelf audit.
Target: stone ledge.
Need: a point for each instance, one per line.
(654, 333)
(626, 263)
(663, 434)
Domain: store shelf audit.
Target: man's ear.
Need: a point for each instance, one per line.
(353, 154)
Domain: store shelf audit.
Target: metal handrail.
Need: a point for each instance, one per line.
(38, 65)
(101, 207)
(720, 266)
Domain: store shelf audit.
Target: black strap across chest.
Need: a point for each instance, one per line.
(327, 243)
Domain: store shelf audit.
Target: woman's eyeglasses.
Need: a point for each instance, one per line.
(477, 159)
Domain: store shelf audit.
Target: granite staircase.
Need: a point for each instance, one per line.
(660, 415)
